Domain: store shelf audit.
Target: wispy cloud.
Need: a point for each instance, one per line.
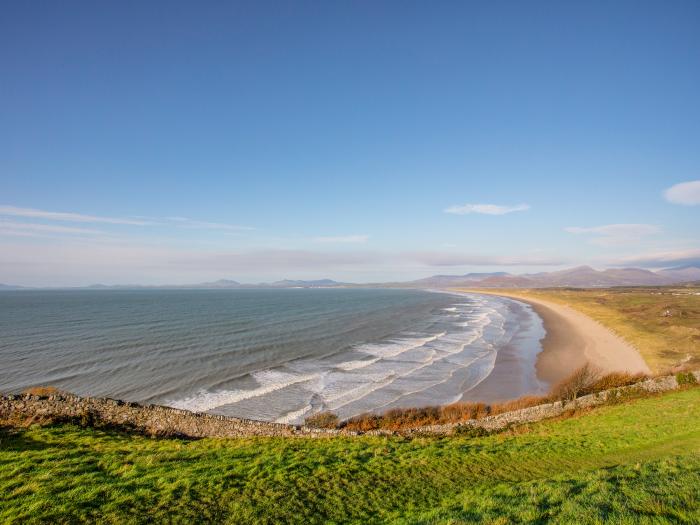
(31, 213)
(436, 258)
(84, 260)
(31, 229)
(342, 239)
(610, 234)
(485, 209)
(687, 193)
(661, 259)
(192, 223)
(53, 216)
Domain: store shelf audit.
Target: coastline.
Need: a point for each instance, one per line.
(514, 374)
(573, 339)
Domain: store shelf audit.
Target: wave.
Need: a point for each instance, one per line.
(464, 335)
(396, 347)
(357, 364)
(269, 381)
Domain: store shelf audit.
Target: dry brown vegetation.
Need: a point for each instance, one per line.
(41, 390)
(322, 420)
(576, 384)
(585, 380)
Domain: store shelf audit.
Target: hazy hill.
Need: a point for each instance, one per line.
(318, 283)
(681, 273)
(440, 281)
(580, 276)
(10, 287)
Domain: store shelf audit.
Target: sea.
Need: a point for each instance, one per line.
(266, 354)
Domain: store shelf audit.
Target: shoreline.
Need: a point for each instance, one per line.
(573, 339)
(514, 374)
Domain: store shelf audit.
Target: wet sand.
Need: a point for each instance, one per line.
(515, 372)
(572, 339)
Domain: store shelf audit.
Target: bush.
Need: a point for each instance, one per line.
(517, 404)
(322, 420)
(463, 411)
(577, 384)
(686, 378)
(41, 391)
(614, 380)
(398, 418)
(363, 422)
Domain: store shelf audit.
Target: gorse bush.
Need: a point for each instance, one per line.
(398, 418)
(322, 420)
(686, 378)
(41, 391)
(614, 380)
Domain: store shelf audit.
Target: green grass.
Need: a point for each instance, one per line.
(631, 463)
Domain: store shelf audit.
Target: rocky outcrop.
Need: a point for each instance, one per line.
(165, 421)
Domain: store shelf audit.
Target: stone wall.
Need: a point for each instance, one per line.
(165, 421)
(148, 419)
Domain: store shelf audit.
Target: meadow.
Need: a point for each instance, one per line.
(634, 462)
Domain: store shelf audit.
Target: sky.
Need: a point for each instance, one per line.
(179, 142)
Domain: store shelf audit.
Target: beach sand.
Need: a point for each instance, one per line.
(572, 339)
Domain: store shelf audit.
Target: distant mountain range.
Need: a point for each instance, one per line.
(581, 277)
(221, 284)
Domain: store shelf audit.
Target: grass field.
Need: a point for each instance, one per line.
(630, 463)
(663, 323)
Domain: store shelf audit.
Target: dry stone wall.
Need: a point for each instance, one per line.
(166, 421)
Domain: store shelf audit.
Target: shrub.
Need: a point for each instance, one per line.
(578, 383)
(322, 420)
(41, 391)
(686, 378)
(463, 411)
(363, 422)
(614, 380)
(517, 404)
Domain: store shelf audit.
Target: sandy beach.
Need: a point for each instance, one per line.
(572, 339)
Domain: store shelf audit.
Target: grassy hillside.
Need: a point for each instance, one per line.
(663, 323)
(630, 463)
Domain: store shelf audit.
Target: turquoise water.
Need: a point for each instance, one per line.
(266, 354)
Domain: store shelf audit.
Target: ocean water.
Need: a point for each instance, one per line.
(277, 355)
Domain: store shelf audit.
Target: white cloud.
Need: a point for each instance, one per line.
(33, 229)
(66, 217)
(183, 222)
(610, 234)
(485, 209)
(470, 259)
(687, 193)
(662, 259)
(342, 239)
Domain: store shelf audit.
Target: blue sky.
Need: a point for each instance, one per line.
(257, 141)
